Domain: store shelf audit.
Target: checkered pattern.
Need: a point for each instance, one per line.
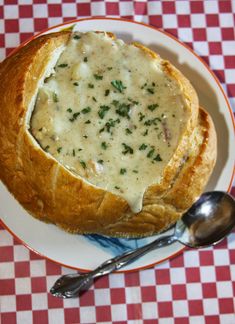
(195, 287)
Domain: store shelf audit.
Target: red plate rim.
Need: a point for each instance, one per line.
(182, 44)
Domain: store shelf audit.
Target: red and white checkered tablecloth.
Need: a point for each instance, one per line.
(194, 287)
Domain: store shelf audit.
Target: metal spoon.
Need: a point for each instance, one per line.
(207, 222)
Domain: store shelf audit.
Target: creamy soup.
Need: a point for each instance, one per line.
(110, 114)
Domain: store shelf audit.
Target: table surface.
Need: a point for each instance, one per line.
(195, 286)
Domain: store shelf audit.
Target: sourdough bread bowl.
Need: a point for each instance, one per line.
(98, 136)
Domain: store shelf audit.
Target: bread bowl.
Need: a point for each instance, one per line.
(69, 195)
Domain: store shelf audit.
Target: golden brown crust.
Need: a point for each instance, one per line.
(53, 194)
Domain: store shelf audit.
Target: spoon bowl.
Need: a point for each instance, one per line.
(207, 222)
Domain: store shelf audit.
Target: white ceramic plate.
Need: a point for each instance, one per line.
(78, 252)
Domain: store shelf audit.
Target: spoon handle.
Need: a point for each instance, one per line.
(69, 286)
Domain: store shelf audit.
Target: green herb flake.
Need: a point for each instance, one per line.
(98, 77)
(109, 68)
(83, 164)
(85, 136)
(122, 171)
(76, 84)
(103, 110)
(86, 110)
(116, 187)
(88, 122)
(47, 148)
(69, 110)
(100, 161)
(111, 123)
(85, 59)
(158, 158)
(150, 153)
(142, 116)
(55, 97)
(153, 107)
(75, 116)
(135, 171)
(94, 99)
(74, 153)
(150, 90)
(128, 131)
(59, 149)
(40, 129)
(63, 65)
(143, 147)
(107, 92)
(76, 37)
(104, 145)
(127, 149)
(79, 149)
(117, 84)
(90, 85)
(123, 110)
(153, 121)
(145, 133)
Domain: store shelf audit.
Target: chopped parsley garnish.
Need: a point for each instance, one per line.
(150, 153)
(111, 123)
(152, 107)
(75, 116)
(98, 77)
(104, 145)
(107, 92)
(127, 149)
(134, 102)
(128, 131)
(110, 68)
(93, 98)
(59, 149)
(143, 86)
(122, 109)
(90, 85)
(76, 37)
(117, 84)
(40, 129)
(116, 187)
(103, 110)
(145, 133)
(135, 171)
(79, 149)
(74, 152)
(173, 115)
(143, 147)
(85, 59)
(122, 171)
(83, 164)
(85, 136)
(55, 97)
(88, 122)
(47, 148)
(100, 161)
(150, 90)
(86, 110)
(69, 110)
(76, 84)
(142, 116)
(63, 65)
(153, 121)
(158, 158)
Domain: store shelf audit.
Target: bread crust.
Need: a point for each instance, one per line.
(51, 193)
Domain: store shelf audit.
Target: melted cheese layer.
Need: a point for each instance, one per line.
(110, 114)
